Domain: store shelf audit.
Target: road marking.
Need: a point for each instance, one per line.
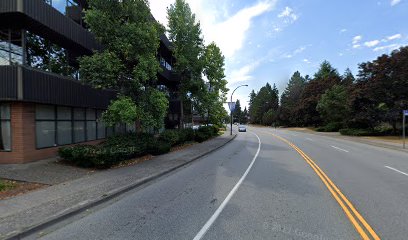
(344, 203)
(339, 148)
(406, 174)
(214, 217)
(310, 139)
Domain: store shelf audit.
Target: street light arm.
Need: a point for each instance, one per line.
(245, 85)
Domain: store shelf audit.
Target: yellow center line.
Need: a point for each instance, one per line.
(344, 203)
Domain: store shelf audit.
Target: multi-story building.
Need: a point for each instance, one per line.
(42, 103)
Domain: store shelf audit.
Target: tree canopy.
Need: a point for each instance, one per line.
(128, 62)
(373, 100)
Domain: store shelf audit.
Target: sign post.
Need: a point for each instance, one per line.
(404, 115)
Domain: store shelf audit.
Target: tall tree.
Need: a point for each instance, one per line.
(333, 106)
(381, 91)
(244, 119)
(128, 62)
(185, 34)
(348, 78)
(214, 96)
(290, 100)
(265, 100)
(237, 112)
(325, 78)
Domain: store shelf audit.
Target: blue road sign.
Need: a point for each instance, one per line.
(405, 112)
(231, 106)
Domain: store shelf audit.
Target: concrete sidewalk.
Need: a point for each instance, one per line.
(31, 212)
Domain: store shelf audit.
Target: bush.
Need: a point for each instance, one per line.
(356, 132)
(366, 132)
(205, 133)
(331, 127)
(124, 147)
(170, 136)
(110, 152)
(160, 148)
(6, 185)
(80, 155)
(186, 135)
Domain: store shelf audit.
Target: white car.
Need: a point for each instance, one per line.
(241, 128)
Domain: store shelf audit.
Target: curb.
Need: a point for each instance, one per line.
(80, 207)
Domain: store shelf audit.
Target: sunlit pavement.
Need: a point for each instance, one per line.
(234, 193)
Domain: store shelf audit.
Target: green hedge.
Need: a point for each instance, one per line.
(366, 132)
(331, 127)
(124, 147)
(357, 132)
(206, 132)
(170, 136)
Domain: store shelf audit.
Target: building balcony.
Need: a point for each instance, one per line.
(19, 83)
(46, 21)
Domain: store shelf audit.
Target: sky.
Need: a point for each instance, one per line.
(268, 40)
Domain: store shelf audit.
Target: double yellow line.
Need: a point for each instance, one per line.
(361, 225)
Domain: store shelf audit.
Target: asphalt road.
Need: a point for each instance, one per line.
(235, 193)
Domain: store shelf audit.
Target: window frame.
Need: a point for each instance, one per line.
(73, 120)
(11, 128)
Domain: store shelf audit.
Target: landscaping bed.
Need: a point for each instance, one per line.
(9, 188)
(121, 149)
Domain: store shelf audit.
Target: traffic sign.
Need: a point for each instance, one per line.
(405, 112)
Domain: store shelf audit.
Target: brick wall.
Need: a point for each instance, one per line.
(23, 137)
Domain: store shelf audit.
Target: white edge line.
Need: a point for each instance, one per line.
(214, 217)
(406, 174)
(310, 139)
(339, 149)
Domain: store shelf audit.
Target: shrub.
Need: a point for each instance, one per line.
(356, 132)
(186, 135)
(331, 127)
(170, 136)
(366, 132)
(6, 185)
(206, 132)
(80, 155)
(160, 148)
(201, 136)
(106, 157)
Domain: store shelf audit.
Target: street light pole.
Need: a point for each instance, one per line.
(246, 85)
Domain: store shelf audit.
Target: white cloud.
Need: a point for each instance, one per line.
(343, 30)
(299, 50)
(356, 45)
(394, 37)
(387, 47)
(243, 74)
(372, 43)
(295, 52)
(357, 39)
(306, 61)
(230, 32)
(395, 2)
(288, 14)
